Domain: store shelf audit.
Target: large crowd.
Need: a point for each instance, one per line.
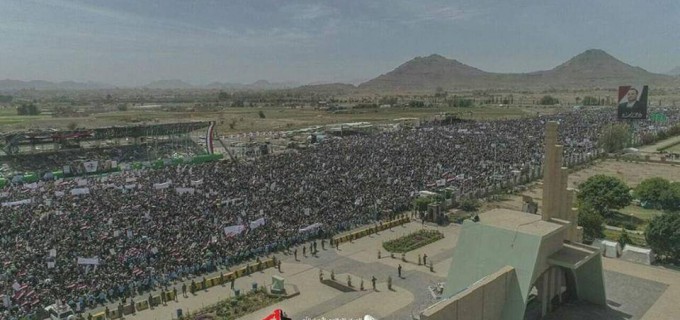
(56, 160)
(137, 230)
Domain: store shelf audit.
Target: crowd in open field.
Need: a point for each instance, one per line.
(97, 239)
(40, 162)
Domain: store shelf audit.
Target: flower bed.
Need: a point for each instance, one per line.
(412, 241)
(236, 307)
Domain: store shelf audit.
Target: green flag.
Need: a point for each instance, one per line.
(658, 117)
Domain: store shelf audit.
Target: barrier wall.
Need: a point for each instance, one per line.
(369, 230)
(483, 300)
(170, 296)
(158, 164)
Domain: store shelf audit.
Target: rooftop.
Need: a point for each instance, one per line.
(518, 221)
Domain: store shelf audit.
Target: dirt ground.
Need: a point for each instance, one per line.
(249, 119)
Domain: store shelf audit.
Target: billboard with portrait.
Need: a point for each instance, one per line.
(632, 102)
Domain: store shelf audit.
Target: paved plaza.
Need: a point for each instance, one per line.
(633, 291)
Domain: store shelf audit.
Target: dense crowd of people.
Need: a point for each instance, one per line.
(91, 240)
(39, 162)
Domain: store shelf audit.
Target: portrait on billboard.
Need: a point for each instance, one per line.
(632, 102)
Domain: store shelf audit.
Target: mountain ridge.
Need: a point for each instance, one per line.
(591, 68)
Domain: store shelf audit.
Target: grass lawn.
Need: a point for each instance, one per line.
(632, 216)
(640, 212)
(638, 239)
(673, 149)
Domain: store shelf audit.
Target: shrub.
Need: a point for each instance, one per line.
(413, 241)
(470, 205)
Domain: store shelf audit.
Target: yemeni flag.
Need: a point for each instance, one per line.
(209, 137)
(276, 315)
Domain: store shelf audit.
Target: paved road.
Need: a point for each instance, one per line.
(633, 291)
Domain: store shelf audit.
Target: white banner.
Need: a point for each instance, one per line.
(441, 182)
(17, 203)
(257, 223)
(81, 182)
(130, 186)
(311, 227)
(88, 261)
(53, 252)
(233, 230)
(133, 179)
(91, 166)
(163, 185)
(79, 191)
(185, 190)
(196, 183)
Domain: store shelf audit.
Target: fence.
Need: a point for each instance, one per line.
(369, 230)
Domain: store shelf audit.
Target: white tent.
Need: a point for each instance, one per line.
(637, 254)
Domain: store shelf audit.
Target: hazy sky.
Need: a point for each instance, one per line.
(132, 42)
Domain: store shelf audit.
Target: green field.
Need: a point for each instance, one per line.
(640, 212)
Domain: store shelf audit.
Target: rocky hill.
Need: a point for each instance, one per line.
(592, 68)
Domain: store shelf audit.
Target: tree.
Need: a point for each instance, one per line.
(592, 223)
(237, 103)
(603, 193)
(6, 99)
(222, 96)
(72, 125)
(122, 107)
(590, 101)
(261, 114)
(614, 137)
(470, 205)
(28, 109)
(388, 100)
(663, 235)
(458, 102)
(660, 193)
(440, 93)
(548, 101)
(624, 238)
(421, 204)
